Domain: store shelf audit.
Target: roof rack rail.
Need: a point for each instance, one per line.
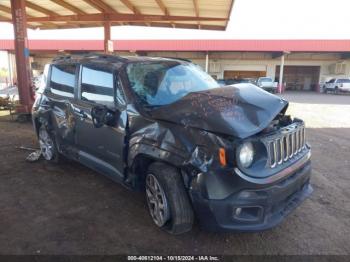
(88, 55)
(178, 58)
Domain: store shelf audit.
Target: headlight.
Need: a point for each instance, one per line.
(246, 154)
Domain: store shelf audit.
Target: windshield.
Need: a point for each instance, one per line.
(164, 82)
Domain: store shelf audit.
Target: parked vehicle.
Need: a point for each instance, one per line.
(267, 84)
(232, 81)
(221, 82)
(337, 85)
(229, 156)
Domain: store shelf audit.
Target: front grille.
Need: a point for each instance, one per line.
(287, 143)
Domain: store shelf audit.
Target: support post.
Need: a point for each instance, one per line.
(9, 64)
(280, 84)
(207, 62)
(107, 38)
(19, 21)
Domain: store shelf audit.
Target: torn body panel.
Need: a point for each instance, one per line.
(236, 110)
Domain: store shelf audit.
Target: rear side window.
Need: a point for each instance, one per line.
(43, 80)
(265, 79)
(343, 81)
(97, 85)
(62, 81)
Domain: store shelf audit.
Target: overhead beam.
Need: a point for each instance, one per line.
(164, 10)
(40, 9)
(3, 17)
(69, 6)
(228, 13)
(133, 8)
(43, 11)
(100, 6)
(8, 10)
(162, 7)
(196, 10)
(119, 18)
(5, 9)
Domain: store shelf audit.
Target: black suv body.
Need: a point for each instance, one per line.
(228, 156)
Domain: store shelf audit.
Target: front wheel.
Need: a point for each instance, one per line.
(167, 199)
(336, 90)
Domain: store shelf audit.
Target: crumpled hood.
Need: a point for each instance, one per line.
(239, 110)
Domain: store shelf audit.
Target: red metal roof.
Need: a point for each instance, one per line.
(188, 45)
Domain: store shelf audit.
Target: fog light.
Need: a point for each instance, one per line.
(253, 213)
(238, 211)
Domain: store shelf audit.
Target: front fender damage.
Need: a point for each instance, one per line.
(191, 150)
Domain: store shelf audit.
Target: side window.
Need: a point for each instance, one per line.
(62, 80)
(96, 85)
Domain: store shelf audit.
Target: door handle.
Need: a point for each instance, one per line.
(80, 113)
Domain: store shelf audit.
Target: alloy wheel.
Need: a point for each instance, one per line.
(156, 200)
(46, 144)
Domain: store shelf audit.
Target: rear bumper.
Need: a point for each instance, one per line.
(269, 88)
(344, 89)
(254, 209)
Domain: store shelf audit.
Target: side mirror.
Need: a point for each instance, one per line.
(101, 116)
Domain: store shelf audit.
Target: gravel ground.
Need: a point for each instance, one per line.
(69, 209)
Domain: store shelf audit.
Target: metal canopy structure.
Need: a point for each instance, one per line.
(194, 14)
(55, 14)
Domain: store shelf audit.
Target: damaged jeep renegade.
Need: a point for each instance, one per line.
(228, 157)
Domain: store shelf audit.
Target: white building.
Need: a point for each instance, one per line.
(307, 63)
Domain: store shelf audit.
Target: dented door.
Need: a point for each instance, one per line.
(61, 94)
(100, 148)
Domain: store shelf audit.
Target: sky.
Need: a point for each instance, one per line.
(250, 19)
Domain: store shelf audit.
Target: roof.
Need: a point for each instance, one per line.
(188, 45)
(196, 14)
(106, 58)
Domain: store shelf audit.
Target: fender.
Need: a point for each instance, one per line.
(154, 152)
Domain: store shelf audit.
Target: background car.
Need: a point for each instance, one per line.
(267, 84)
(232, 81)
(337, 85)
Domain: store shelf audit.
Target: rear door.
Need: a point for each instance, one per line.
(61, 93)
(100, 148)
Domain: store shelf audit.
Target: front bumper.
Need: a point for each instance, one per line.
(254, 208)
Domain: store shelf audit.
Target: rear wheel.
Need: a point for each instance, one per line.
(167, 199)
(47, 145)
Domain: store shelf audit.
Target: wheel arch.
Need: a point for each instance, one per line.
(139, 160)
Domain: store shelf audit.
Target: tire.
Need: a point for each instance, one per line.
(177, 210)
(48, 145)
(336, 90)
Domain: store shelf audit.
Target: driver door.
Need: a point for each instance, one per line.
(100, 148)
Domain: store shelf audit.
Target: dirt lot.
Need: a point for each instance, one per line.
(69, 209)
